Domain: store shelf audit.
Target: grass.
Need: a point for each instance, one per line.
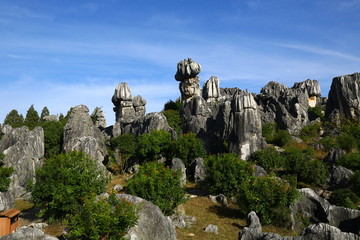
(23, 205)
(117, 179)
(228, 219)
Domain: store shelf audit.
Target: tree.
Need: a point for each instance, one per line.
(159, 185)
(152, 146)
(32, 118)
(14, 119)
(5, 173)
(53, 137)
(64, 181)
(44, 112)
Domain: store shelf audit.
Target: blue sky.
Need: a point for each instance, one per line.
(61, 53)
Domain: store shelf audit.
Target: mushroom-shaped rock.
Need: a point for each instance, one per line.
(122, 93)
(187, 68)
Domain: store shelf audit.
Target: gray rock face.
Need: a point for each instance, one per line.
(253, 221)
(187, 71)
(246, 136)
(152, 224)
(288, 107)
(150, 122)
(211, 228)
(7, 201)
(211, 89)
(200, 171)
(221, 199)
(81, 135)
(344, 97)
(98, 117)
(320, 210)
(339, 177)
(28, 233)
(24, 151)
(334, 155)
(178, 165)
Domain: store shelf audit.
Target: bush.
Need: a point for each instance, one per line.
(102, 219)
(174, 120)
(345, 198)
(159, 185)
(226, 172)
(347, 141)
(269, 197)
(5, 173)
(127, 146)
(53, 137)
(63, 182)
(188, 147)
(303, 164)
(310, 131)
(269, 159)
(355, 182)
(275, 136)
(152, 146)
(350, 161)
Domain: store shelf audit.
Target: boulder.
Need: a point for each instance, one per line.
(28, 233)
(334, 155)
(344, 97)
(81, 135)
(200, 171)
(24, 152)
(152, 224)
(211, 229)
(221, 199)
(7, 201)
(150, 122)
(178, 165)
(253, 221)
(339, 177)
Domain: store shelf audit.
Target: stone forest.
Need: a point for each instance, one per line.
(216, 163)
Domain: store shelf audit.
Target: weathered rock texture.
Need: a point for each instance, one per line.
(28, 233)
(152, 224)
(344, 97)
(288, 107)
(80, 134)
(24, 152)
(320, 231)
(7, 201)
(320, 210)
(130, 114)
(187, 71)
(98, 118)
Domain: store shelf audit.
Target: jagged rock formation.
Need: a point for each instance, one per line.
(178, 165)
(81, 135)
(339, 177)
(28, 233)
(187, 71)
(320, 231)
(344, 97)
(320, 210)
(288, 107)
(130, 114)
(152, 224)
(24, 151)
(98, 118)
(211, 89)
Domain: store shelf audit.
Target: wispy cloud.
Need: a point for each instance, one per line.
(318, 50)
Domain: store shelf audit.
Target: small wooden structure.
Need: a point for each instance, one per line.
(9, 221)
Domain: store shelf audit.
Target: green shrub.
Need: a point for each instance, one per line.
(187, 147)
(152, 146)
(226, 172)
(346, 141)
(275, 136)
(345, 198)
(305, 166)
(159, 185)
(53, 137)
(269, 159)
(14, 119)
(269, 197)
(350, 161)
(5, 173)
(171, 105)
(329, 142)
(268, 131)
(355, 182)
(63, 182)
(174, 120)
(310, 131)
(102, 219)
(127, 146)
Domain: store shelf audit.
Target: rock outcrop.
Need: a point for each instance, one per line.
(7, 201)
(152, 224)
(187, 71)
(24, 152)
(98, 118)
(344, 97)
(288, 107)
(28, 233)
(321, 211)
(130, 114)
(320, 231)
(80, 134)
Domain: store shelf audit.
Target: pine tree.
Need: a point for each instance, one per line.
(14, 119)
(44, 112)
(32, 118)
